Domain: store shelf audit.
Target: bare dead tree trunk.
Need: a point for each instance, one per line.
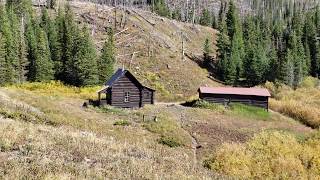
(182, 46)
(115, 15)
(187, 11)
(194, 12)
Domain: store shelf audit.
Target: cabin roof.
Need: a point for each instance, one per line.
(235, 91)
(117, 75)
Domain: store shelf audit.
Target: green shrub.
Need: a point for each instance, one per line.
(121, 123)
(169, 141)
(169, 130)
(207, 105)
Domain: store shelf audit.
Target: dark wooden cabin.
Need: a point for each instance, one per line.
(224, 95)
(125, 91)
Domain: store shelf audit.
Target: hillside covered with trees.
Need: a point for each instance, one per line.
(42, 48)
(272, 45)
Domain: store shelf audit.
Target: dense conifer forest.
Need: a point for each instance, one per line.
(272, 45)
(42, 48)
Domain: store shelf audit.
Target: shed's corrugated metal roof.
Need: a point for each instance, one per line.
(236, 91)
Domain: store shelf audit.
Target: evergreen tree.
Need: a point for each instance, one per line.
(18, 47)
(232, 19)
(31, 48)
(273, 70)
(107, 59)
(86, 61)
(3, 62)
(57, 54)
(287, 69)
(69, 36)
(205, 19)
(214, 22)
(161, 8)
(55, 48)
(223, 44)
(236, 35)
(231, 73)
(256, 62)
(43, 64)
(11, 54)
(310, 35)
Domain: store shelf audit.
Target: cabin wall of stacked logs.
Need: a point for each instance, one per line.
(123, 85)
(258, 101)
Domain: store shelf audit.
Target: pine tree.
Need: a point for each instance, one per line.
(11, 56)
(231, 75)
(57, 54)
(23, 61)
(206, 52)
(18, 47)
(288, 69)
(86, 61)
(43, 64)
(214, 22)
(69, 36)
(161, 8)
(273, 70)
(308, 57)
(223, 44)
(310, 35)
(55, 48)
(232, 19)
(3, 62)
(107, 59)
(31, 48)
(236, 35)
(205, 19)
(256, 61)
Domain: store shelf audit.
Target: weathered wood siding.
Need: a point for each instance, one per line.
(123, 85)
(148, 96)
(258, 101)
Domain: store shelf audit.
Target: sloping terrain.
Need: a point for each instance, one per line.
(49, 135)
(151, 47)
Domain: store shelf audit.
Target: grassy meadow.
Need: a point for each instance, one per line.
(47, 134)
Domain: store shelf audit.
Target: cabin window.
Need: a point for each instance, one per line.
(147, 94)
(126, 96)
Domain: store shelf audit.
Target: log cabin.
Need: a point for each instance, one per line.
(258, 97)
(125, 91)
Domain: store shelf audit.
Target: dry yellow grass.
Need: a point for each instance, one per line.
(269, 155)
(302, 104)
(57, 88)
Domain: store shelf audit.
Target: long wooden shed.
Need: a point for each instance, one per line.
(258, 97)
(125, 91)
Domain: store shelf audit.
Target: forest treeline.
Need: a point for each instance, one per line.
(46, 47)
(258, 40)
(271, 45)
